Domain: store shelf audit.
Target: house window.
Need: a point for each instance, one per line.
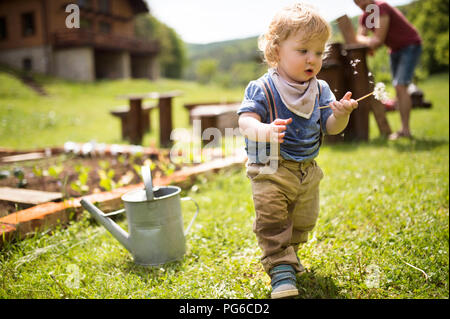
(85, 4)
(105, 27)
(3, 30)
(28, 26)
(104, 6)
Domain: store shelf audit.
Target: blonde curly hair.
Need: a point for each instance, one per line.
(299, 17)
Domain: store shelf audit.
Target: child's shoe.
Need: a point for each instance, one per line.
(283, 281)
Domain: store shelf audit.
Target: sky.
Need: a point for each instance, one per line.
(205, 21)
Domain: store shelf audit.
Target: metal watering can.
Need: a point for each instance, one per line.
(155, 224)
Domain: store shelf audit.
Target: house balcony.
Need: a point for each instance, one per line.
(102, 41)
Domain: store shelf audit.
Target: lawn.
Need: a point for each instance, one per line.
(80, 112)
(382, 231)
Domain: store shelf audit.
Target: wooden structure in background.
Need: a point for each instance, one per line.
(40, 36)
(345, 69)
(165, 117)
(136, 125)
(27, 196)
(190, 106)
(123, 112)
(347, 30)
(220, 116)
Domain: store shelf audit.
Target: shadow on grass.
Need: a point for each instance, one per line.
(152, 273)
(313, 286)
(419, 145)
(401, 145)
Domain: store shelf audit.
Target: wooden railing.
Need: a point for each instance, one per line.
(74, 38)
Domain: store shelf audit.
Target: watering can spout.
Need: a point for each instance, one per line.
(115, 230)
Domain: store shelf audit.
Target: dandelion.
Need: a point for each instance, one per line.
(380, 92)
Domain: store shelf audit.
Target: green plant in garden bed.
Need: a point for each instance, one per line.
(106, 175)
(81, 184)
(55, 171)
(19, 174)
(76, 176)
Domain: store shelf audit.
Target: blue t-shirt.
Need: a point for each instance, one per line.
(302, 138)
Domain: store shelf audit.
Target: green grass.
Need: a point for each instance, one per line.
(384, 215)
(80, 111)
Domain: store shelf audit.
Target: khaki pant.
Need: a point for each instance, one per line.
(287, 207)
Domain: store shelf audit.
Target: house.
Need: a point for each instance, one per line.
(35, 36)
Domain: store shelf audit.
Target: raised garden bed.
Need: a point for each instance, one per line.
(75, 175)
(102, 178)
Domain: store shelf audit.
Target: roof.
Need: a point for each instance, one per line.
(139, 6)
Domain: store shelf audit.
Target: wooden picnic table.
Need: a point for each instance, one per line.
(135, 124)
(121, 111)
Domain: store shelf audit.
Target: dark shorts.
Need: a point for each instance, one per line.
(403, 63)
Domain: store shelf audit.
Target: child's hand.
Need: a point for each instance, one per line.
(344, 107)
(276, 130)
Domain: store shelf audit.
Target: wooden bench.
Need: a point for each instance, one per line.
(220, 116)
(191, 106)
(136, 127)
(122, 112)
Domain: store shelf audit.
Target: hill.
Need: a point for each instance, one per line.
(213, 61)
(235, 62)
(225, 54)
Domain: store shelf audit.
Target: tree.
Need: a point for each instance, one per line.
(206, 69)
(172, 57)
(430, 17)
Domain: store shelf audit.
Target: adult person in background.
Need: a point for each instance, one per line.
(405, 47)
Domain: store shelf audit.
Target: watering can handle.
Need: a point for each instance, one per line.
(117, 212)
(147, 176)
(193, 218)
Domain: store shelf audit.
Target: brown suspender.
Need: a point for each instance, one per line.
(273, 113)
